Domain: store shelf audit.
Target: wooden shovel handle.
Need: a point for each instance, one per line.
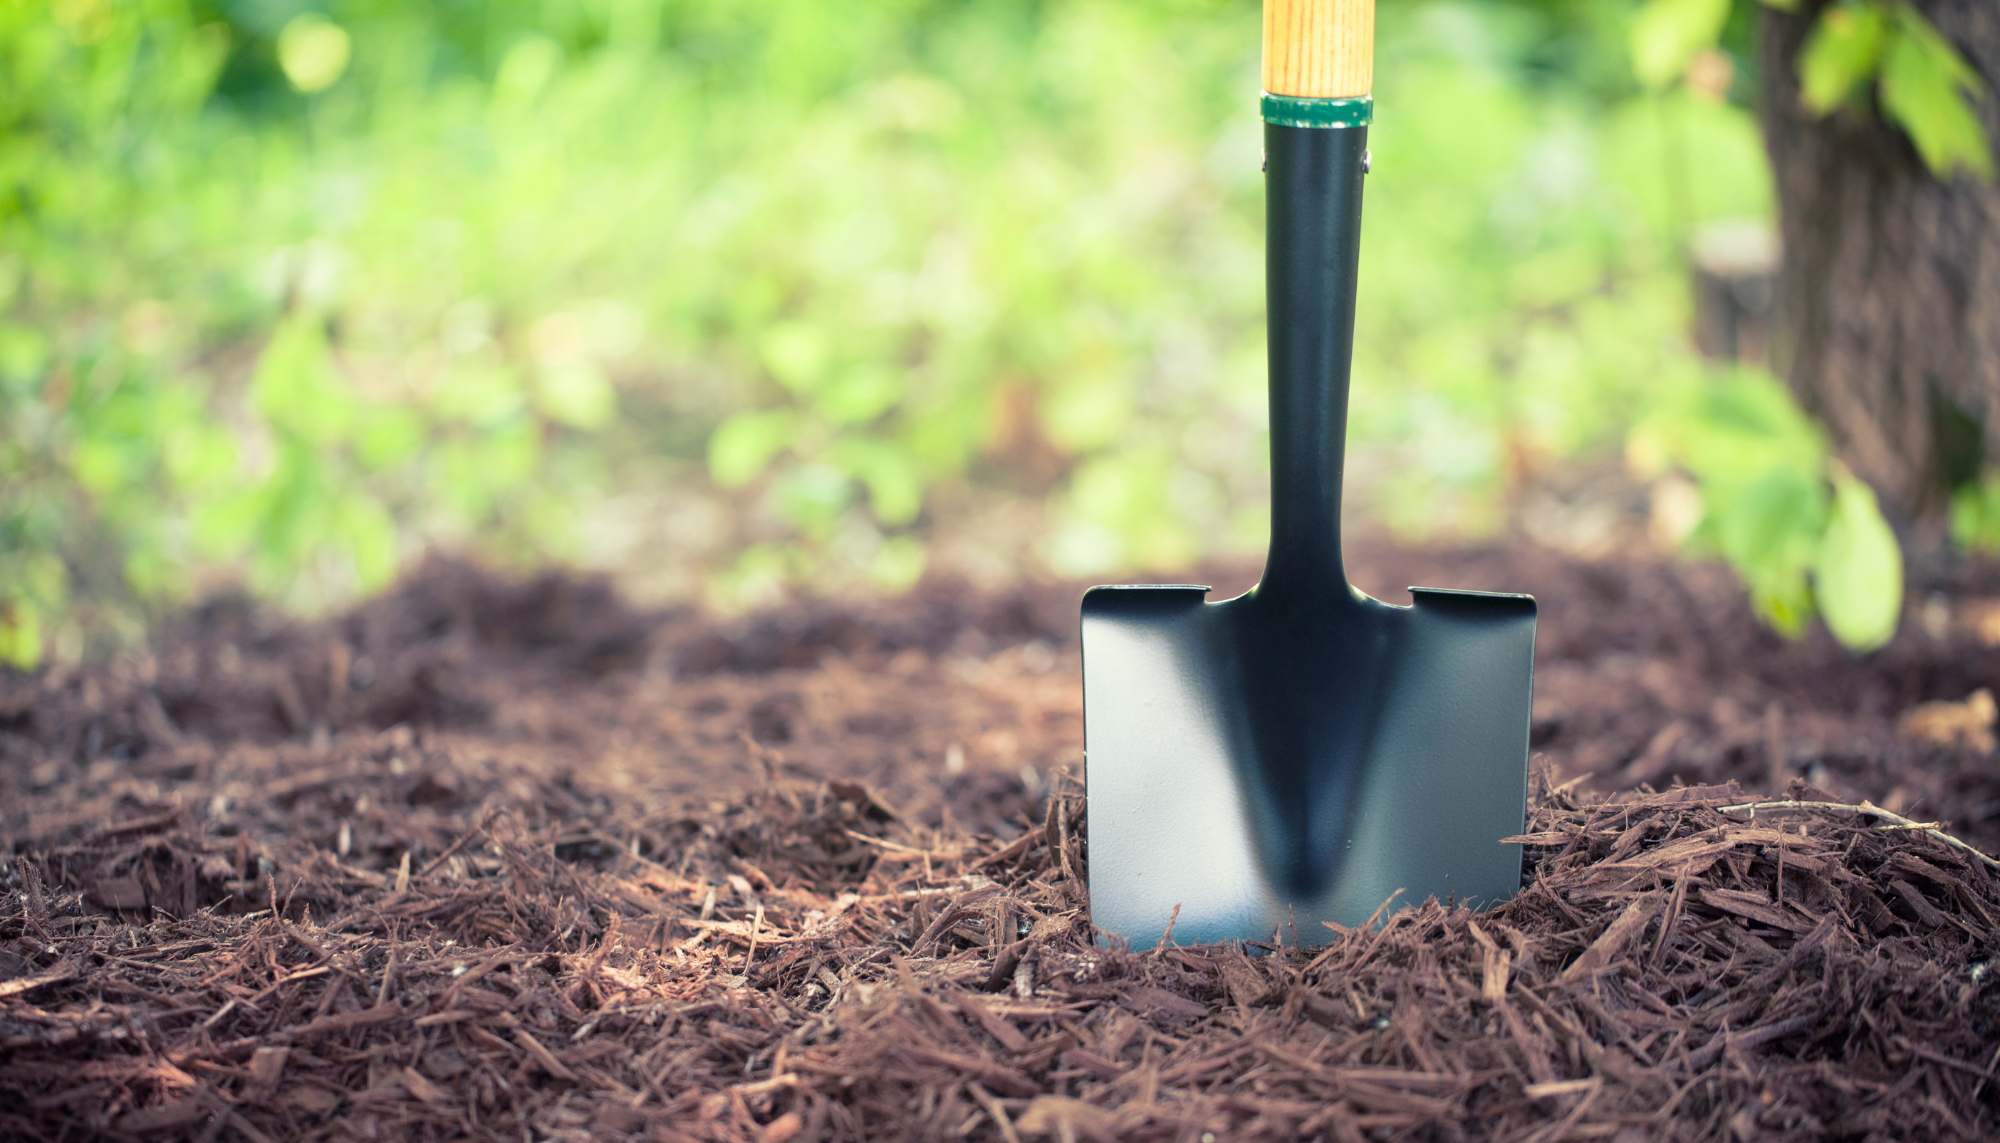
(1319, 49)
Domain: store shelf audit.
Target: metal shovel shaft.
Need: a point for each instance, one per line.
(1312, 194)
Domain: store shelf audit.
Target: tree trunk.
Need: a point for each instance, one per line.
(1888, 298)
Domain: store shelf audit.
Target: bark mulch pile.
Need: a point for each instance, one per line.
(513, 861)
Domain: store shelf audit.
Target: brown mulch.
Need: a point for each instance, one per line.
(514, 861)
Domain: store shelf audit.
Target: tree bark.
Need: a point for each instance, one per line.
(1888, 295)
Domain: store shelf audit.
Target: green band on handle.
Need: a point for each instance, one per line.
(1298, 111)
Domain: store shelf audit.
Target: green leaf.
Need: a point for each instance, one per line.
(478, 475)
(1928, 89)
(370, 535)
(898, 564)
(195, 448)
(578, 395)
(1770, 524)
(1841, 53)
(526, 70)
(294, 504)
(1859, 576)
(758, 577)
(20, 633)
(744, 444)
(479, 394)
(461, 480)
(946, 436)
(1782, 598)
(1666, 34)
(387, 437)
(222, 527)
(812, 496)
(860, 394)
(1127, 494)
(295, 385)
(313, 51)
(1975, 516)
(201, 457)
(102, 465)
(152, 573)
(796, 353)
(24, 353)
(1760, 462)
(1085, 416)
(895, 484)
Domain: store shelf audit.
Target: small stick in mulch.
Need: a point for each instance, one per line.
(1896, 821)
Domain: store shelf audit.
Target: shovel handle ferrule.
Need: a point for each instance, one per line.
(1297, 111)
(1319, 49)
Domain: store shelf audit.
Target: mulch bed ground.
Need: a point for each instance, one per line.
(512, 860)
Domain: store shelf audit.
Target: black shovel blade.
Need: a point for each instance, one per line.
(1264, 764)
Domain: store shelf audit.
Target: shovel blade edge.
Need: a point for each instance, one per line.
(1170, 765)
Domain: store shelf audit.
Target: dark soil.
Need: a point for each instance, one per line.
(513, 860)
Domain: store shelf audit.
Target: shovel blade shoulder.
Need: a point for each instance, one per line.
(1141, 598)
(1497, 606)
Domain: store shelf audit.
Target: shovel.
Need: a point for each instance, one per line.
(1303, 753)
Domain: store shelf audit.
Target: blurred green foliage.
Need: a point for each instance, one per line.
(1805, 535)
(290, 290)
(1922, 84)
(1861, 53)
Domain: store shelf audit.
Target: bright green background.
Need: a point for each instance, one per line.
(728, 296)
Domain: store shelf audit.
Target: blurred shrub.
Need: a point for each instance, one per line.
(1857, 49)
(93, 435)
(1804, 534)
